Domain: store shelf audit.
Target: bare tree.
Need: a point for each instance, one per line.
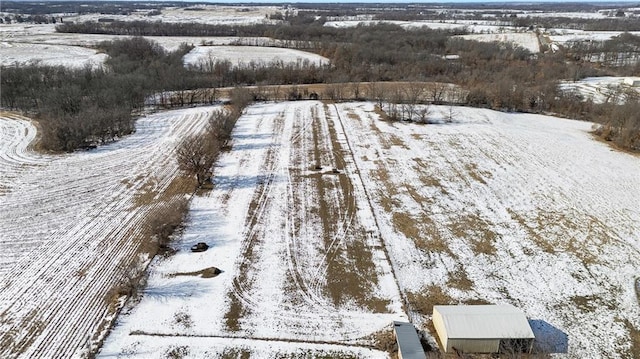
(376, 92)
(196, 155)
(423, 113)
(450, 115)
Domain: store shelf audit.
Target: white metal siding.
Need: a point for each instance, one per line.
(438, 323)
(474, 345)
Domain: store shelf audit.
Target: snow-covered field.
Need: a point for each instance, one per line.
(494, 207)
(603, 89)
(67, 228)
(51, 55)
(526, 40)
(243, 55)
(474, 26)
(203, 14)
(41, 44)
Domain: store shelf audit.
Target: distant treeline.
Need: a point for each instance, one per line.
(494, 75)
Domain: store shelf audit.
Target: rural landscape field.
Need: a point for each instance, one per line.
(334, 197)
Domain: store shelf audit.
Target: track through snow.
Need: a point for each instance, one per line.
(65, 227)
(278, 256)
(498, 208)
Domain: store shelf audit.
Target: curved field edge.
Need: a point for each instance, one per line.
(72, 228)
(490, 208)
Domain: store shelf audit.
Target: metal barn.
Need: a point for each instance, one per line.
(482, 328)
(409, 346)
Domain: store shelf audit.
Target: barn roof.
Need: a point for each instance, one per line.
(408, 341)
(484, 322)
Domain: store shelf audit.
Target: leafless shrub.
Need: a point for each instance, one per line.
(183, 319)
(385, 340)
(163, 222)
(177, 352)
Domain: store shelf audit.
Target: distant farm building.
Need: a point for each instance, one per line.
(482, 328)
(409, 346)
(632, 81)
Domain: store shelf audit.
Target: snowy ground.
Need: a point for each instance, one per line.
(474, 26)
(51, 55)
(603, 89)
(203, 14)
(67, 224)
(243, 55)
(527, 40)
(499, 208)
(41, 44)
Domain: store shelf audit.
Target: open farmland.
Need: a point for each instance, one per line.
(244, 55)
(492, 208)
(71, 224)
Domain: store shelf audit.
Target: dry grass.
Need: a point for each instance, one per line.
(385, 340)
(591, 303)
(634, 335)
(422, 231)
(210, 272)
(579, 234)
(177, 352)
(477, 175)
(422, 302)
(183, 319)
(31, 325)
(233, 353)
(427, 178)
(477, 231)
(397, 141)
(351, 272)
(459, 279)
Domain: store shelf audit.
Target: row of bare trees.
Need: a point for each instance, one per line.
(197, 153)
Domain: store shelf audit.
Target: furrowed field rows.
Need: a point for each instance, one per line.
(70, 225)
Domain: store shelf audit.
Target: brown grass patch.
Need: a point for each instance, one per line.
(427, 178)
(590, 303)
(397, 141)
(422, 302)
(422, 231)
(381, 113)
(242, 280)
(476, 174)
(580, 234)
(634, 336)
(210, 272)
(385, 340)
(477, 231)
(459, 279)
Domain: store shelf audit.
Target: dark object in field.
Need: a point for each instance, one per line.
(335, 170)
(318, 167)
(200, 247)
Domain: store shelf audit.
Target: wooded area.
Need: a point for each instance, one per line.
(497, 76)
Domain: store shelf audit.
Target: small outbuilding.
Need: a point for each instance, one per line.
(632, 81)
(409, 346)
(482, 328)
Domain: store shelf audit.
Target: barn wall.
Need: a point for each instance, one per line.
(474, 345)
(438, 323)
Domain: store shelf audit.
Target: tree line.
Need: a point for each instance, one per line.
(498, 76)
(78, 108)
